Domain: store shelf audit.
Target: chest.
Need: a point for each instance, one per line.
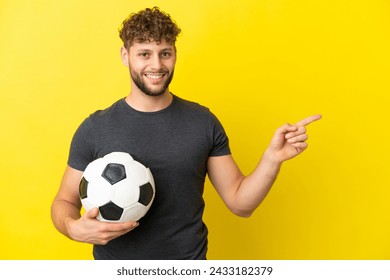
(178, 144)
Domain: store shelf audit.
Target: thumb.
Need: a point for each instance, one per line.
(92, 213)
(283, 130)
(287, 128)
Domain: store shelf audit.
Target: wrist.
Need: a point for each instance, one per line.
(68, 222)
(272, 158)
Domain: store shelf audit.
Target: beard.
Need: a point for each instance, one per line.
(138, 81)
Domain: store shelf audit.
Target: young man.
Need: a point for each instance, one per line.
(179, 140)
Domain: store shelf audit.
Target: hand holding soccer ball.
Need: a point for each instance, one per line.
(90, 230)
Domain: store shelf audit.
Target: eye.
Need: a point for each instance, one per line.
(143, 54)
(166, 54)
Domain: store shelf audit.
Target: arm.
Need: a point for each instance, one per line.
(65, 213)
(243, 194)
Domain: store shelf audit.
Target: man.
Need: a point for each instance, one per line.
(179, 140)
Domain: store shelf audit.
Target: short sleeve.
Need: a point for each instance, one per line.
(220, 139)
(81, 148)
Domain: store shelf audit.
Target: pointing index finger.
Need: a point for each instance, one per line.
(309, 120)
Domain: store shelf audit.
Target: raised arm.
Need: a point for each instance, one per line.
(243, 194)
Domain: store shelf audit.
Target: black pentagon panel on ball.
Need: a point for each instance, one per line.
(111, 211)
(145, 194)
(83, 188)
(114, 172)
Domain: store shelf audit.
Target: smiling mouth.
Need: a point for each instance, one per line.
(154, 76)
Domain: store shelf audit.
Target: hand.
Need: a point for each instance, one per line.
(289, 140)
(90, 230)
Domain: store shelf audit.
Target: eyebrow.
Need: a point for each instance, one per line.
(148, 50)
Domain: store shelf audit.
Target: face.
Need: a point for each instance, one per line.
(151, 66)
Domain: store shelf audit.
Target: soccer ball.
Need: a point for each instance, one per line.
(123, 189)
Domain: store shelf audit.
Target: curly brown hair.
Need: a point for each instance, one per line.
(148, 25)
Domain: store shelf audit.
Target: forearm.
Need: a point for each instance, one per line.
(255, 187)
(243, 194)
(62, 212)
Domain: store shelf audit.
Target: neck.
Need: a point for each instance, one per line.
(145, 103)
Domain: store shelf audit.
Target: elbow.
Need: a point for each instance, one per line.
(243, 213)
(240, 210)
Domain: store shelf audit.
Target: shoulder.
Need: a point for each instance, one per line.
(105, 115)
(100, 118)
(192, 107)
(196, 114)
(189, 103)
(115, 108)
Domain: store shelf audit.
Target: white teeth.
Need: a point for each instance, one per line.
(154, 76)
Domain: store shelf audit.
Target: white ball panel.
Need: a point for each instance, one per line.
(125, 193)
(100, 193)
(87, 204)
(117, 157)
(94, 170)
(137, 173)
(134, 213)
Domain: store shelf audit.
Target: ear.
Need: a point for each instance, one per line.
(125, 56)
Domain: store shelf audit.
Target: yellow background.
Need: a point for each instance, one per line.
(257, 64)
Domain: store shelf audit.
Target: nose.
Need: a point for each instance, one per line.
(155, 62)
